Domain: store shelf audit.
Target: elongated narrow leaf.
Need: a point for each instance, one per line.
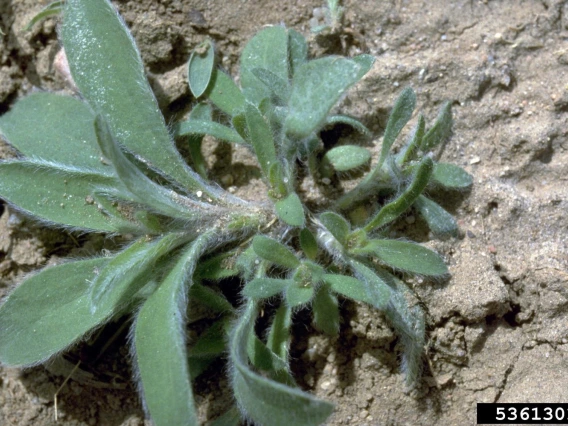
(52, 9)
(108, 70)
(409, 323)
(308, 244)
(440, 131)
(278, 340)
(409, 152)
(264, 288)
(128, 271)
(208, 127)
(347, 157)
(225, 94)
(200, 68)
(54, 128)
(344, 119)
(291, 210)
(261, 138)
(267, 361)
(395, 208)
(139, 187)
(439, 220)
(261, 399)
(201, 111)
(316, 87)
(268, 50)
(406, 256)
(347, 286)
(326, 311)
(210, 298)
(274, 252)
(48, 312)
(159, 340)
(377, 289)
(336, 224)
(451, 176)
(56, 193)
(401, 113)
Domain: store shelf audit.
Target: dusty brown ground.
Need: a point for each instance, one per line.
(498, 329)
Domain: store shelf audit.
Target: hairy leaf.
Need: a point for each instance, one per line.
(159, 340)
(440, 131)
(451, 176)
(108, 70)
(54, 128)
(401, 113)
(268, 50)
(278, 339)
(261, 138)
(377, 289)
(347, 157)
(225, 94)
(297, 51)
(395, 208)
(264, 288)
(406, 256)
(261, 399)
(337, 225)
(308, 244)
(56, 193)
(48, 312)
(297, 296)
(128, 271)
(347, 286)
(200, 68)
(139, 187)
(274, 252)
(291, 210)
(316, 87)
(208, 127)
(439, 220)
(326, 311)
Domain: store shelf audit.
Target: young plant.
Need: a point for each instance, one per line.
(106, 163)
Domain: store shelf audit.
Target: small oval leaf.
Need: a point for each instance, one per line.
(290, 210)
(274, 252)
(200, 68)
(451, 176)
(347, 157)
(264, 288)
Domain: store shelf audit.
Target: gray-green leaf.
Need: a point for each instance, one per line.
(268, 50)
(316, 87)
(263, 400)
(48, 312)
(337, 225)
(108, 70)
(347, 157)
(200, 68)
(264, 288)
(451, 176)
(56, 193)
(54, 128)
(406, 256)
(439, 220)
(160, 347)
(291, 210)
(274, 252)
